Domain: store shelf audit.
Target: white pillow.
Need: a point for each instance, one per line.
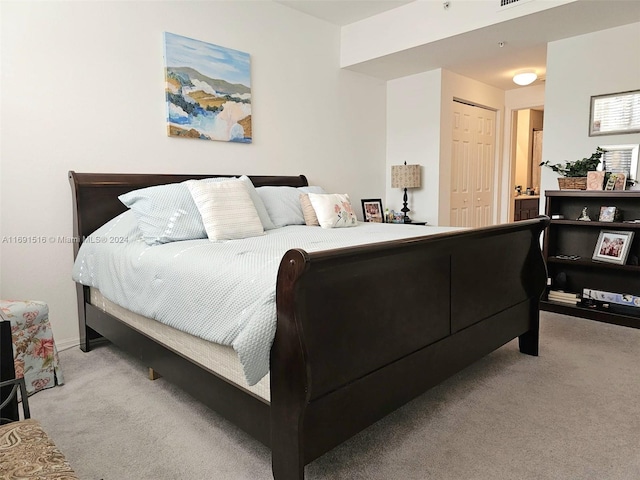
(283, 203)
(333, 210)
(228, 213)
(167, 213)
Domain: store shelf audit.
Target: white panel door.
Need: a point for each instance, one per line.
(472, 166)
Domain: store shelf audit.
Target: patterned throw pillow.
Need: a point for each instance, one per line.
(333, 210)
(227, 211)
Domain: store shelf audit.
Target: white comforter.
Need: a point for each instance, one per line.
(221, 291)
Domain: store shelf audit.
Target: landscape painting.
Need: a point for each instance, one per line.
(208, 90)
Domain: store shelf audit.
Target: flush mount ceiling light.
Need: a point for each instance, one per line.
(526, 77)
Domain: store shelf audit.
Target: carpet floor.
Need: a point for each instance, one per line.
(571, 413)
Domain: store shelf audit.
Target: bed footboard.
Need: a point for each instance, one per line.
(361, 331)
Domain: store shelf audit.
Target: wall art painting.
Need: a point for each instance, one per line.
(208, 90)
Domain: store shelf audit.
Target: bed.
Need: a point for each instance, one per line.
(404, 315)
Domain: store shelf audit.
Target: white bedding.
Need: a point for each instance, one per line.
(224, 291)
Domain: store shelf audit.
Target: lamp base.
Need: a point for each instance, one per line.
(405, 209)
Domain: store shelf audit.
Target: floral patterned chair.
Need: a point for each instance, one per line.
(35, 354)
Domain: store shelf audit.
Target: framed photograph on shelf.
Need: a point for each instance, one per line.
(372, 210)
(620, 159)
(607, 214)
(595, 180)
(613, 247)
(616, 181)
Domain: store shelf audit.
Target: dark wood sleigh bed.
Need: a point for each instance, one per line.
(360, 331)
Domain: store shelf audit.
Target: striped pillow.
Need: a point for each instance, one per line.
(227, 211)
(310, 217)
(167, 213)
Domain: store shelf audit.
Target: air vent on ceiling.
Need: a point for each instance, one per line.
(511, 3)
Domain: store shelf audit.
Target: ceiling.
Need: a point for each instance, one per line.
(343, 12)
(477, 54)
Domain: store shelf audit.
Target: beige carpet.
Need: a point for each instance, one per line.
(571, 413)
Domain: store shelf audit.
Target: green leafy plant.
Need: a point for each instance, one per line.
(577, 168)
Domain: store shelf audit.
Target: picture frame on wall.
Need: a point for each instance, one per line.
(613, 246)
(372, 210)
(612, 114)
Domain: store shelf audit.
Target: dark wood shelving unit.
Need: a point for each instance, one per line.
(569, 236)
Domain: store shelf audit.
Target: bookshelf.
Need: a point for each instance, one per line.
(568, 236)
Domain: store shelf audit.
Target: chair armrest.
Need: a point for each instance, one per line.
(17, 384)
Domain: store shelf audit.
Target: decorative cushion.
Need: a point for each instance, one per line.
(167, 213)
(283, 203)
(333, 210)
(226, 208)
(310, 217)
(27, 452)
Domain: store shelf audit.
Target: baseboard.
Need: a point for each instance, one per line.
(67, 343)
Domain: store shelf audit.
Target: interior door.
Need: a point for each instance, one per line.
(472, 165)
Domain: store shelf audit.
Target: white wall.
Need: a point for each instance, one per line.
(577, 68)
(413, 135)
(83, 89)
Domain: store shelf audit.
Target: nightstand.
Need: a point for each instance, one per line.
(410, 223)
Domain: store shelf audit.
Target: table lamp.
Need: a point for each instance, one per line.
(405, 176)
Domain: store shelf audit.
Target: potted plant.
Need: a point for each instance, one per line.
(574, 174)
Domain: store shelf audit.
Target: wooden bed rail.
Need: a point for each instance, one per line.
(363, 330)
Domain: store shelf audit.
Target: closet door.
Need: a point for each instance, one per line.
(472, 165)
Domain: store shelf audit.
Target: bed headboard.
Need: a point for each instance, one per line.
(95, 195)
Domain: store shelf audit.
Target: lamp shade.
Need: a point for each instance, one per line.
(405, 176)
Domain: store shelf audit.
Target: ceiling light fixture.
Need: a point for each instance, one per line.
(526, 77)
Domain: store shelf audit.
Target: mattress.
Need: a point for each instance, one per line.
(221, 359)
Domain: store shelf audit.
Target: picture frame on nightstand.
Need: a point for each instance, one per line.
(372, 210)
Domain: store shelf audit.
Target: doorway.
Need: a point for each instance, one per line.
(525, 157)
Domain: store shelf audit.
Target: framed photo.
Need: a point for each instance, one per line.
(620, 159)
(372, 210)
(613, 247)
(595, 180)
(616, 181)
(613, 114)
(607, 214)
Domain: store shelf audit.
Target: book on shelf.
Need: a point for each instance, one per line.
(611, 297)
(563, 297)
(557, 216)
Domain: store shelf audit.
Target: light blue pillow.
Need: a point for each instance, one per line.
(283, 203)
(167, 213)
